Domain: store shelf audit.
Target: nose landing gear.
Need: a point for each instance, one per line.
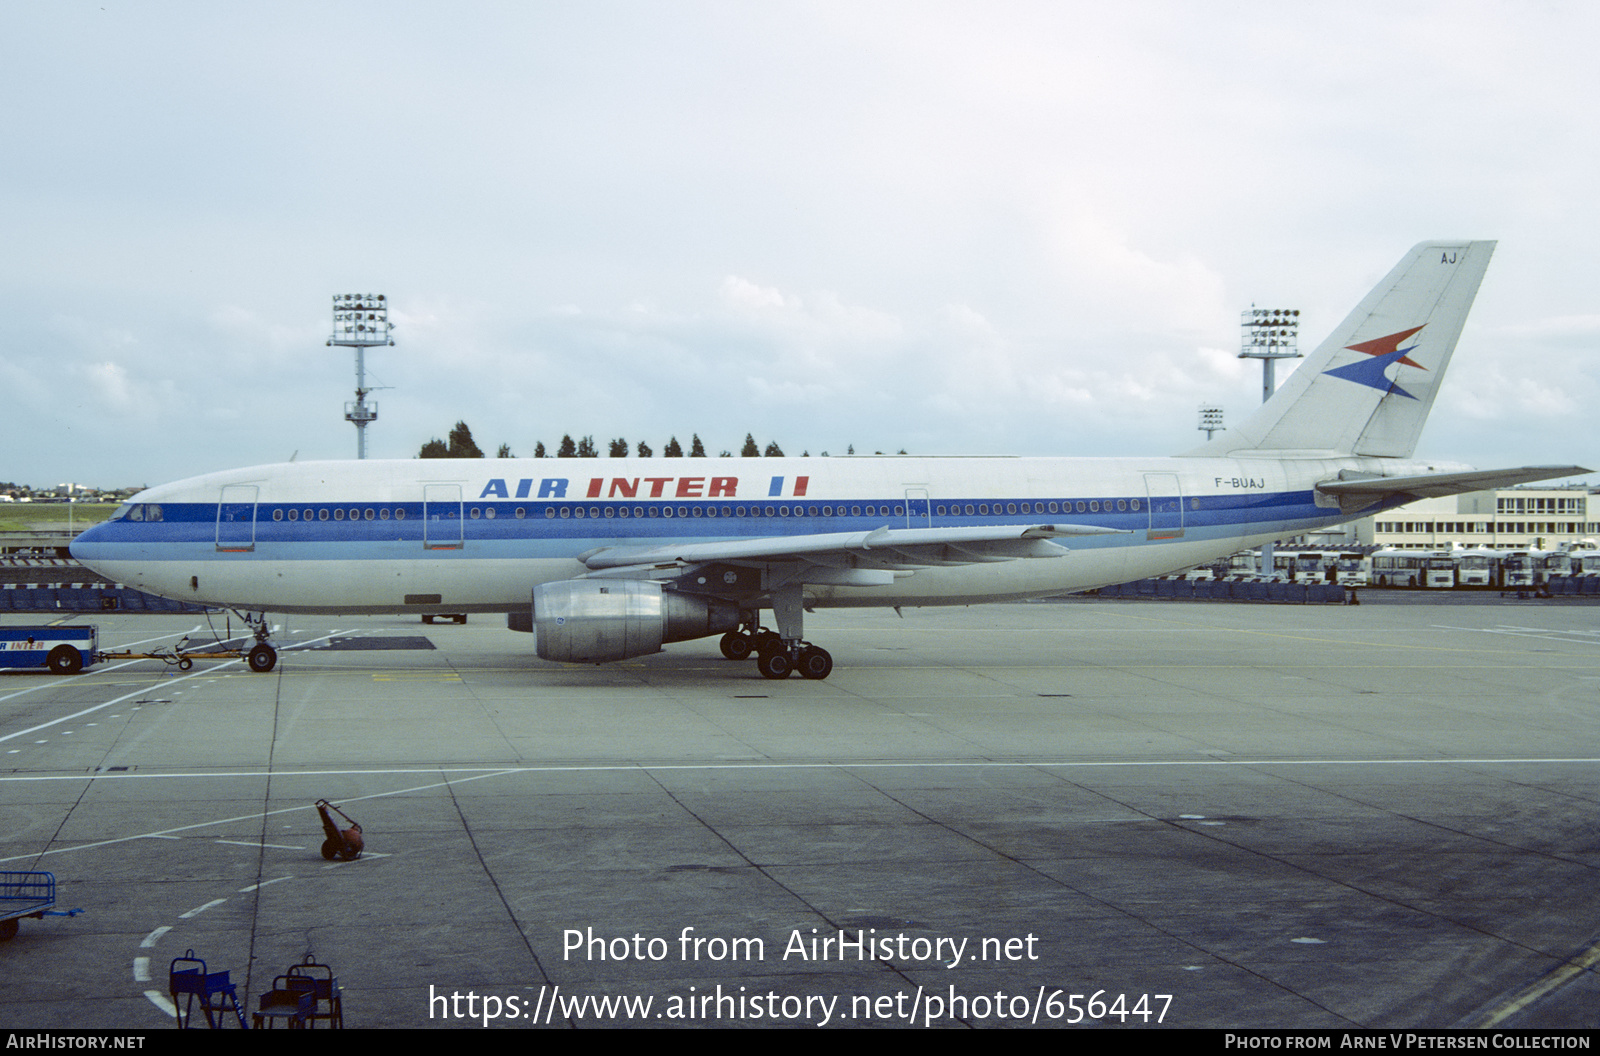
(262, 657)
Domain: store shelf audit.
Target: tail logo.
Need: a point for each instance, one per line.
(1373, 372)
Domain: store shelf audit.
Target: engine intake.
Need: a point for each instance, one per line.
(592, 621)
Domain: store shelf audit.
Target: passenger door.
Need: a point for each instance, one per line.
(236, 518)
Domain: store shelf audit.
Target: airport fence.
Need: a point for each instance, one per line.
(90, 599)
(1224, 590)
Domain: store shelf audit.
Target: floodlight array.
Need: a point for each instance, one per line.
(1269, 333)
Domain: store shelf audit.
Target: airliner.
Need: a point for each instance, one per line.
(607, 559)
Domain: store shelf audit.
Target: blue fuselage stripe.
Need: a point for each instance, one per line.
(325, 531)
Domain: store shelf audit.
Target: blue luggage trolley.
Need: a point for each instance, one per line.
(27, 895)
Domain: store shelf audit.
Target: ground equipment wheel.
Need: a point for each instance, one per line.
(262, 658)
(8, 929)
(65, 660)
(331, 848)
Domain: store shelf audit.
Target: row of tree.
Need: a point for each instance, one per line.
(461, 445)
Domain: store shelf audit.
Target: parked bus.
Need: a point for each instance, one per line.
(1477, 567)
(1427, 569)
(1351, 567)
(1553, 563)
(1517, 569)
(1585, 561)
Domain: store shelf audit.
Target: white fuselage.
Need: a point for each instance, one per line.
(477, 535)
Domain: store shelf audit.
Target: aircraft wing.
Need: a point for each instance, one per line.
(882, 549)
(1360, 492)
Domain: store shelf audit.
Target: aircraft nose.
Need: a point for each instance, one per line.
(82, 547)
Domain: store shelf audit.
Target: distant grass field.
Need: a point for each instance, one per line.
(47, 516)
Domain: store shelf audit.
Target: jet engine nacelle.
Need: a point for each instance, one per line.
(587, 621)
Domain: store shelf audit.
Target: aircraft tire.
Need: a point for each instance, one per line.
(774, 665)
(64, 660)
(815, 662)
(262, 658)
(736, 646)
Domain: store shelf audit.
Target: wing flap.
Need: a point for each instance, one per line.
(882, 548)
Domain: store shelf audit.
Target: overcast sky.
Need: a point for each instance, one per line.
(953, 228)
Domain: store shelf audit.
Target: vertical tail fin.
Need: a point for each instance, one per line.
(1368, 388)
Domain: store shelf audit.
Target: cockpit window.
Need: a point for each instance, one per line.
(137, 511)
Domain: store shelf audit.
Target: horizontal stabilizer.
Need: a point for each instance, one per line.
(1359, 493)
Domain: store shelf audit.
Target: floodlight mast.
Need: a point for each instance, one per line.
(1211, 419)
(1269, 334)
(361, 320)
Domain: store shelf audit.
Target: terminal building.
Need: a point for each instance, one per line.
(1531, 518)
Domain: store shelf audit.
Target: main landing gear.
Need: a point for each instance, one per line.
(781, 652)
(774, 657)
